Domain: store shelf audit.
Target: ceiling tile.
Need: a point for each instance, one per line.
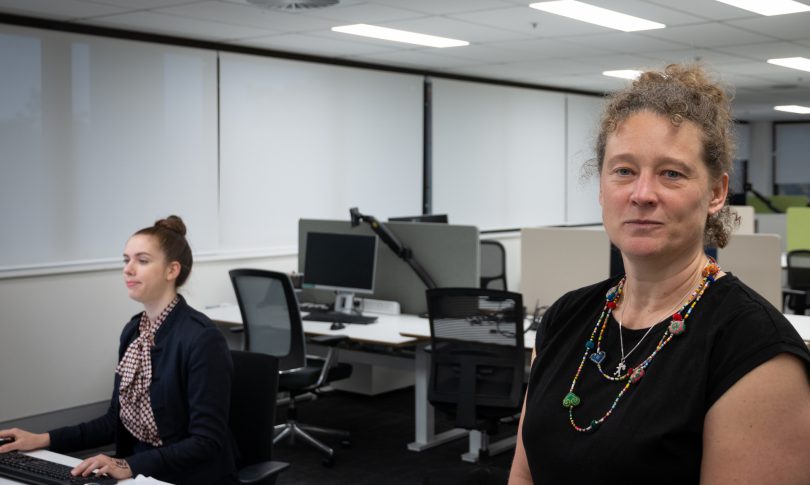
(768, 50)
(141, 4)
(444, 7)
(784, 27)
(708, 9)
(649, 11)
(179, 26)
(456, 29)
(626, 42)
(367, 13)
(708, 35)
(712, 57)
(250, 16)
(539, 48)
(309, 44)
(530, 21)
(57, 9)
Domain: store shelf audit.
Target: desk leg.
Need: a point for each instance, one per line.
(425, 424)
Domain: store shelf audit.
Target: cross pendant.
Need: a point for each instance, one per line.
(620, 368)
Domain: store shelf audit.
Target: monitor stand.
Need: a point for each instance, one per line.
(344, 302)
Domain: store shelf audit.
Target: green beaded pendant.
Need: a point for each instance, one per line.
(571, 400)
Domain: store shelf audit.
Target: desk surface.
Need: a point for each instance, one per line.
(387, 330)
(393, 330)
(70, 461)
(802, 325)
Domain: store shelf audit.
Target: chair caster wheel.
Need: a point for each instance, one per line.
(328, 462)
(346, 444)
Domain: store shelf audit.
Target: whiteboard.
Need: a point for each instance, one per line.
(498, 155)
(98, 138)
(304, 140)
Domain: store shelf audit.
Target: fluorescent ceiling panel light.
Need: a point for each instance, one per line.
(800, 63)
(623, 73)
(395, 35)
(792, 108)
(596, 15)
(768, 7)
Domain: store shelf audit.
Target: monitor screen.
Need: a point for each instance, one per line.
(342, 262)
(442, 218)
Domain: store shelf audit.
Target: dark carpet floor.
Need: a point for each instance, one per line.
(381, 426)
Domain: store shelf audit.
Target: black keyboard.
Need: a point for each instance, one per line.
(27, 469)
(339, 317)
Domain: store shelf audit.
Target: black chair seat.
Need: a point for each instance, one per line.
(308, 376)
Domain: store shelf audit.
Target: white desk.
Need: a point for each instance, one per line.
(388, 330)
(802, 325)
(70, 461)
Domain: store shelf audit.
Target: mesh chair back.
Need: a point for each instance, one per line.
(477, 353)
(798, 263)
(493, 265)
(253, 405)
(270, 315)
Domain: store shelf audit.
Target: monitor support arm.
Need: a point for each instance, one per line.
(396, 246)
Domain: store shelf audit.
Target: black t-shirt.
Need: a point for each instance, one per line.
(654, 434)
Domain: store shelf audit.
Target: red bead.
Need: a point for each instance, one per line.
(677, 317)
(611, 305)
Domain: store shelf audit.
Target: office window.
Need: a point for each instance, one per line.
(498, 155)
(99, 137)
(792, 158)
(302, 140)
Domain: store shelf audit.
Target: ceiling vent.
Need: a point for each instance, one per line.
(293, 4)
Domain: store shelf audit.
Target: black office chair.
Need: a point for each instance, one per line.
(477, 359)
(272, 325)
(493, 265)
(797, 295)
(252, 416)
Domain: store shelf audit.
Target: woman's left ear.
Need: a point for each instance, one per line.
(719, 194)
(173, 271)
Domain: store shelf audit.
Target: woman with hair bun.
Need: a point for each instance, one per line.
(675, 372)
(168, 416)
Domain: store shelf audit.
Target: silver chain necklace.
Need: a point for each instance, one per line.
(621, 367)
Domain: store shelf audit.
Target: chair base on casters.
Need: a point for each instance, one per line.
(292, 430)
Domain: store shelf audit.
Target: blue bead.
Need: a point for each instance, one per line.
(590, 345)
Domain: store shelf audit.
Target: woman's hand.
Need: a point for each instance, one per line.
(117, 468)
(23, 440)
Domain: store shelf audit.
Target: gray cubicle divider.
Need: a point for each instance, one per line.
(556, 260)
(448, 252)
(756, 260)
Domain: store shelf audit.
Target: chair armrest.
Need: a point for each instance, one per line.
(328, 340)
(259, 472)
(791, 291)
(236, 329)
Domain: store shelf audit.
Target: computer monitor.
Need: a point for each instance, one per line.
(441, 218)
(344, 263)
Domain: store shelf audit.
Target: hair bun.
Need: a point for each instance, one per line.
(173, 223)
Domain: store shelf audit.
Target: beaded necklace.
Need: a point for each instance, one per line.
(593, 352)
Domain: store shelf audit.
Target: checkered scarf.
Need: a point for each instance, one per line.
(135, 369)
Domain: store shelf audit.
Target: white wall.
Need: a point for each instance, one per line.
(59, 333)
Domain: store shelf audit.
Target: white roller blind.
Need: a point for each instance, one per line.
(498, 155)
(98, 138)
(302, 140)
(582, 195)
(792, 153)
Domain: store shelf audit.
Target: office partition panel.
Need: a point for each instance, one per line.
(310, 140)
(448, 252)
(99, 137)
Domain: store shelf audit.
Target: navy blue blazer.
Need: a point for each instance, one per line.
(190, 394)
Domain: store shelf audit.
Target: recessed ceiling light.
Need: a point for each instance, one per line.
(768, 7)
(623, 73)
(596, 15)
(399, 35)
(792, 108)
(800, 63)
